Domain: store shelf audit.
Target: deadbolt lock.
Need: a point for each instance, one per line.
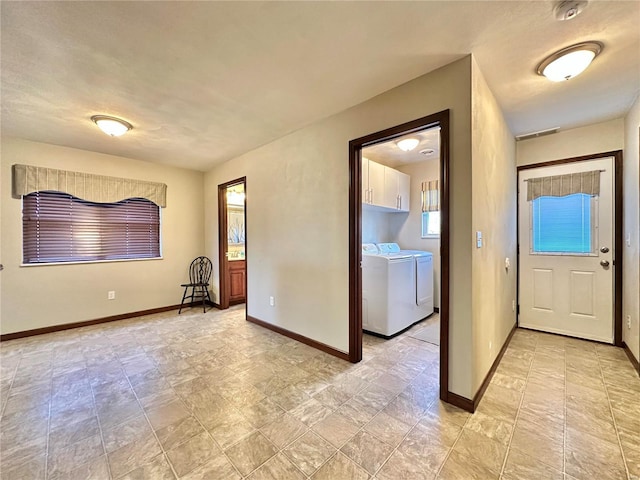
(604, 249)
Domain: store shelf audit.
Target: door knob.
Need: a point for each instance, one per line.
(604, 249)
(604, 263)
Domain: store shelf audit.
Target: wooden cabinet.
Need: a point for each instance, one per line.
(384, 188)
(237, 281)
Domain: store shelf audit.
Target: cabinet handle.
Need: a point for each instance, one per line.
(371, 195)
(400, 201)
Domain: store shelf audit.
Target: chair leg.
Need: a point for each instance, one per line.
(184, 295)
(208, 296)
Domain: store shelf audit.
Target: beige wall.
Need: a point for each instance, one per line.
(297, 214)
(41, 296)
(631, 228)
(596, 138)
(494, 214)
(407, 228)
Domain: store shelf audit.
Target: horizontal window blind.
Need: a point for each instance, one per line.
(58, 227)
(562, 224)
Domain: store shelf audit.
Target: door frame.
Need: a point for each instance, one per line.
(223, 243)
(440, 119)
(617, 232)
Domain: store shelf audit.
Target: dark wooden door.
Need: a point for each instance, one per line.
(237, 282)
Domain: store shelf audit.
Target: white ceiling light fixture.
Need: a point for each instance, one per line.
(407, 144)
(111, 125)
(569, 62)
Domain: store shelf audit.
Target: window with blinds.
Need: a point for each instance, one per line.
(564, 225)
(58, 227)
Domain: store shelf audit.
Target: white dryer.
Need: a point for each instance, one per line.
(387, 291)
(423, 278)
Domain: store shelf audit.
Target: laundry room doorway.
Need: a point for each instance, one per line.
(399, 237)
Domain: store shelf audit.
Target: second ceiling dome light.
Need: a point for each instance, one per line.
(407, 144)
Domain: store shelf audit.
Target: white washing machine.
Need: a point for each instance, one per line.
(423, 278)
(387, 291)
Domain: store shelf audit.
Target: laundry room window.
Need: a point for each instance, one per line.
(564, 225)
(430, 224)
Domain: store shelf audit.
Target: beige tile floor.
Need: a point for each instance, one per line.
(214, 397)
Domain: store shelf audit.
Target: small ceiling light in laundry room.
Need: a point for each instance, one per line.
(407, 144)
(111, 125)
(570, 61)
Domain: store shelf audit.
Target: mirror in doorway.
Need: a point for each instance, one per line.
(235, 221)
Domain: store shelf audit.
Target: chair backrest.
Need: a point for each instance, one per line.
(200, 270)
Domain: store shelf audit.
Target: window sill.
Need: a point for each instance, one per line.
(89, 262)
(432, 236)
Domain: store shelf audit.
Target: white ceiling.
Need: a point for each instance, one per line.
(389, 154)
(203, 82)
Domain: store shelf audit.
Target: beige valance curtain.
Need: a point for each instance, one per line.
(93, 188)
(431, 196)
(561, 185)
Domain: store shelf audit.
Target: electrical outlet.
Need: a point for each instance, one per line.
(629, 321)
(111, 295)
(272, 301)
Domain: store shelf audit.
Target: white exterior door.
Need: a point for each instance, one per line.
(566, 255)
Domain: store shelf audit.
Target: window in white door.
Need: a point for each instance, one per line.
(564, 225)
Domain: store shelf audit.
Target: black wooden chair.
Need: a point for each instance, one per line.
(199, 276)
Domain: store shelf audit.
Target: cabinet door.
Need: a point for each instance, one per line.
(237, 271)
(376, 183)
(390, 188)
(404, 189)
(365, 180)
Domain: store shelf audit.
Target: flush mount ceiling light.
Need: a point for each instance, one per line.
(569, 62)
(407, 144)
(111, 125)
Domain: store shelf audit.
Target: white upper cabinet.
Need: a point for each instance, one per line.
(365, 180)
(396, 190)
(372, 182)
(404, 187)
(384, 188)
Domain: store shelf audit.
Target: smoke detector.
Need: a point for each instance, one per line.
(569, 9)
